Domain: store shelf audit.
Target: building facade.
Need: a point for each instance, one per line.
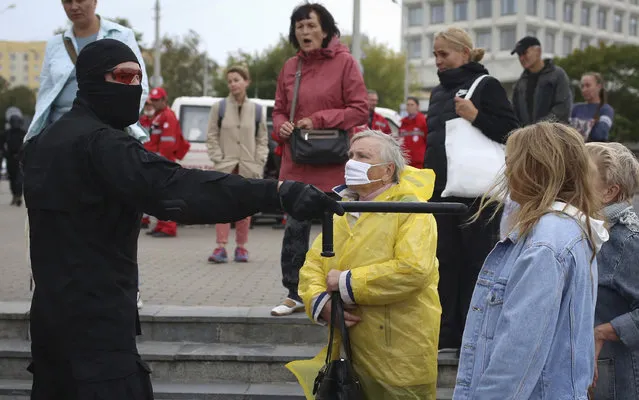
(21, 63)
(496, 25)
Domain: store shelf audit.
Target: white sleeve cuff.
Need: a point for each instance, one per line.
(318, 303)
(345, 288)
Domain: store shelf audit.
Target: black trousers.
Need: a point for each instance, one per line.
(58, 381)
(461, 251)
(15, 174)
(294, 248)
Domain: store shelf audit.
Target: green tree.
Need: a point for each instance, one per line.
(619, 65)
(183, 66)
(264, 68)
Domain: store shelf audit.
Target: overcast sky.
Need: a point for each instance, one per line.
(225, 25)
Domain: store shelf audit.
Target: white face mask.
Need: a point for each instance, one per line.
(357, 173)
(149, 113)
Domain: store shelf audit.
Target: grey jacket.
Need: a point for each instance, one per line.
(553, 97)
(618, 303)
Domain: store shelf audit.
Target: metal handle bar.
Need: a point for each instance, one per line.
(384, 207)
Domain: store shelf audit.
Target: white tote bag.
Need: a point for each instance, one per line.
(474, 160)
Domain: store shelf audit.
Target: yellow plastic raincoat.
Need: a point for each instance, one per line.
(393, 281)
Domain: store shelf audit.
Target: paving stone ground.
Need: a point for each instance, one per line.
(173, 271)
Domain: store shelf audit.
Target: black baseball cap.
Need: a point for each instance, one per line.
(524, 44)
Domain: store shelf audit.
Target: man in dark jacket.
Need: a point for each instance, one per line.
(87, 183)
(543, 90)
(13, 139)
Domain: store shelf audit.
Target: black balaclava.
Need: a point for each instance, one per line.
(115, 104)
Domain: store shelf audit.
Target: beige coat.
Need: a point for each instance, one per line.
(236, 143)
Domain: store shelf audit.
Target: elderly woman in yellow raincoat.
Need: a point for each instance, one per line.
(386, 272)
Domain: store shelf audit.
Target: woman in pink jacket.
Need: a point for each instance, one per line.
(331, 95)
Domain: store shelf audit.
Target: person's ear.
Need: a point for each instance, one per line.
(611, 194)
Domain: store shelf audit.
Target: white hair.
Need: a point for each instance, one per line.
(390, 151)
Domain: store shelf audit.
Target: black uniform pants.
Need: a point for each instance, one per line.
(15, 174)
(55, 380)
(461, 251)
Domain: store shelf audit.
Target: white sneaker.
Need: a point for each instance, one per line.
(288, 307)
(140, 303)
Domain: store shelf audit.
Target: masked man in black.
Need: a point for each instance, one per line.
(86, 185)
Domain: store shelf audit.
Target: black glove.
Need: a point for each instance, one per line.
(304, 202)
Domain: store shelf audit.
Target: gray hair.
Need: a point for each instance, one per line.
(617, 166)
(391, 151)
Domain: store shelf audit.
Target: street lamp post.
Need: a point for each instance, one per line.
(156, 81)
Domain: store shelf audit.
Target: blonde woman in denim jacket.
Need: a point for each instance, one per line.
(617, 312)
(528, 334)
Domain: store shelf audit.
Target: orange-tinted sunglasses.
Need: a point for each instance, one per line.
(126, 75)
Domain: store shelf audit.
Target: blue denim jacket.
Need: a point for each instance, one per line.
(618, 303)
(57, 67)
(529, 333)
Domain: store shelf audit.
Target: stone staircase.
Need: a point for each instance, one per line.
(199, 353)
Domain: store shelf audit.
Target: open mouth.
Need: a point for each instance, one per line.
(307, 41)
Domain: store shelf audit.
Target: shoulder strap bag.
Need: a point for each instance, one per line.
(316, 146)
(68, 44)
(474, 160)
(337, 379)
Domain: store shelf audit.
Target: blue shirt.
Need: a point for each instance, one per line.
(529, 331)
(583, 119)
(64, 101)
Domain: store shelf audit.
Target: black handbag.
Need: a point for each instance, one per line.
(316, 146)
(337, 379)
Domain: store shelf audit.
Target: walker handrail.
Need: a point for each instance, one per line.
(398, 207)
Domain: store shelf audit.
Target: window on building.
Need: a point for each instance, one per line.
(508, 7)
(13, 67)
(618, 23)
(460, 9)
(549, 42)
(484, 40)
(585, 15)
(12, 79)
(25, 78)
(602, 16)
(415, 47)
(566, 47)
(551, 9)
(415, 16)
(584, 43)
(25, 56)
(569, 11)
(26, 68)
(12, 56)
(0, 67)
(531, 7)
(437, 13)
(484, 8)
(36, 56)
(507, 38)
(633, 26)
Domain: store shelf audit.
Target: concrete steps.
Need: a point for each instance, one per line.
(19, 390)
(202, 352)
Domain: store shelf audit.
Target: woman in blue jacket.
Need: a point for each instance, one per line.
(528, 334)
(617, 312)
(593, 119)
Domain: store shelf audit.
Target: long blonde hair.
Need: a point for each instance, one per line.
(460, 40)
(545, 162)
(617, 166)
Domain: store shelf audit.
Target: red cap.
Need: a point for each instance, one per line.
(157, 94)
